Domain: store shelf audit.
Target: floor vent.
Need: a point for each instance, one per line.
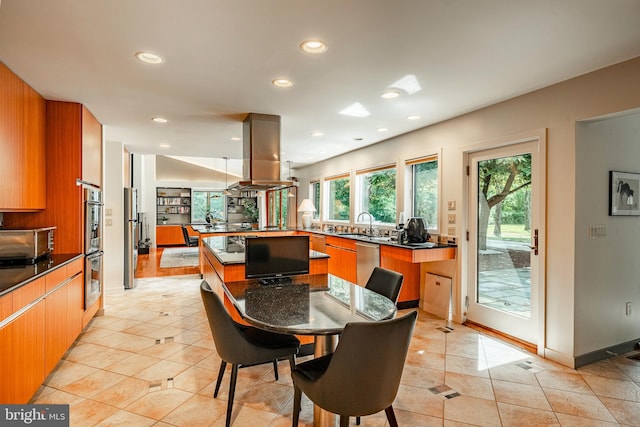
(634, 356)
(164, 340)
(445, 329)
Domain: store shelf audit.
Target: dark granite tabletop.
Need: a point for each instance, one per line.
(14, 276)
(230, 249)
(223, 227)
(309, 305)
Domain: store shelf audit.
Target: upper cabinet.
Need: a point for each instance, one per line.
(22, 144)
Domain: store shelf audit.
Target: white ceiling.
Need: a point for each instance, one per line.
(221, 56)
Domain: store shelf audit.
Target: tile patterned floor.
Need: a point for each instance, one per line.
(150, 361)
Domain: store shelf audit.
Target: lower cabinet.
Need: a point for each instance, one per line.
(169, 235)
(22, 355)
(32, 344)
(342, 261)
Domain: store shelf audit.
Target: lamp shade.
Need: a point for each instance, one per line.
(306, 206)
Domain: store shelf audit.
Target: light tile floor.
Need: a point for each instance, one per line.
(150, 361)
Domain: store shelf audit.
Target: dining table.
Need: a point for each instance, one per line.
(318, 305)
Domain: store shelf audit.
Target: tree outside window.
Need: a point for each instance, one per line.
(425, 191)
(314, 190)
(205, 201)
(338, 193)
(378, 194)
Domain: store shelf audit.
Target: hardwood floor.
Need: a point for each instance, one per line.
(149, 266)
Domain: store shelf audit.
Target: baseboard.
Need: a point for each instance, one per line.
(607, 352)
(408, 304)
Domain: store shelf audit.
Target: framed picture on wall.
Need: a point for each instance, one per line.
(624, 191)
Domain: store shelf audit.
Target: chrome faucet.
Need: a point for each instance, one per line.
(370, 221)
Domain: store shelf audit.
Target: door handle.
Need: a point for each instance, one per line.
(534, 247)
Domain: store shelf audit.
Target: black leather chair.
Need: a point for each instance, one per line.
(385, 282)
(242, 345)
(362, 376)
(189, 240)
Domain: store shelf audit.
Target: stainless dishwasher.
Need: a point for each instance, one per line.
(367, 257)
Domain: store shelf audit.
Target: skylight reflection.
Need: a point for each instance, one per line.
(355, 110)
(408, 83)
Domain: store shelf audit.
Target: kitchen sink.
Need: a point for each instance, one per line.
(359, 235)
(365, 236)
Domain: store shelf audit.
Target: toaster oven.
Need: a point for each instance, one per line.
(26, 245)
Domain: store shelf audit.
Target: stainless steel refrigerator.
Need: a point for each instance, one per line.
(130, 236)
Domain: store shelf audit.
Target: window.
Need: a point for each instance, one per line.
(203, 201)
(337, 193)
(424, 179)
(278, 207)
(314, 191)
(376, 194)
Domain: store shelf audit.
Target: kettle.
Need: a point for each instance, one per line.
(416, 231)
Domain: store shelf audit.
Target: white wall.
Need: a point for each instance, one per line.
(113, 234)
(607, 271)
(556, 108)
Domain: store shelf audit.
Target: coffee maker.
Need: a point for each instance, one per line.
(415, 231)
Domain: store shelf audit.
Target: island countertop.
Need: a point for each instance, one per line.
(230, 249)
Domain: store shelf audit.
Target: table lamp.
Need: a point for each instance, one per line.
(307, 209)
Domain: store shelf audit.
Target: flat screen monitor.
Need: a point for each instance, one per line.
(276, 257)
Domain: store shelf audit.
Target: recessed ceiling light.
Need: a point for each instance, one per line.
(235, 138)
(382, 129)
(164, 146)
(390, 94)
(313, 46)
(408, 83)
(282, 83)
(415, 117)
(317, 133)
(149, 58)
(355, 110)
(159, 120)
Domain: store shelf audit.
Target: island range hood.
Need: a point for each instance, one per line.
(261, 154)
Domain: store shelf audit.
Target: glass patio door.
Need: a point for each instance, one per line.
(504, 240)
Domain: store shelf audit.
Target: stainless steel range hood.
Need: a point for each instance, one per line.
(261, 154)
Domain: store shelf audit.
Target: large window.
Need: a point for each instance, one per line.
(424, 178)
(207, 201)
(314, 191)
(376, 194)
(337, 193)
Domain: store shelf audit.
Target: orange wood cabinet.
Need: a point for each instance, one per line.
(22, 355)
(35, 341)
(22, 144)
(342, 261)
(68, 124)
(169, 235)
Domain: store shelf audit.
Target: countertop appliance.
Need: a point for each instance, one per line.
(26, 245)
(416, 231)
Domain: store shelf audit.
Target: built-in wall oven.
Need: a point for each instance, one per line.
(92, 246)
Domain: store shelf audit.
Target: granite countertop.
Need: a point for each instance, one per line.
(230, 249)
(14, 276)
(383, 240)
(224, 227)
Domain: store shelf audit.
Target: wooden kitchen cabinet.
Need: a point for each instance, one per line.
(73, 151)
(169, 235)
(399, 259)
(22, 144)
(342, 261)
(22, 367)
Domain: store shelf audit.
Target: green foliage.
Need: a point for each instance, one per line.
(339, 192)
(250, 209)
(379, 189)
(425, 194)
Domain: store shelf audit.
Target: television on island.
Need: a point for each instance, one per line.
(277, 257)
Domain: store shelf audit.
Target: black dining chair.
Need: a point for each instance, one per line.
(242, 345)
(362, 376)
(189, 240)
(385, 282)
